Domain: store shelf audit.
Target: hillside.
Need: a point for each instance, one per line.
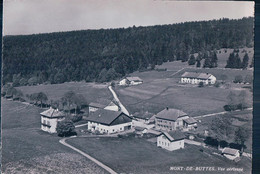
(103, 55)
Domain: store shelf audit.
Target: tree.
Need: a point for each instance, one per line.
(223, 78)
(23, 82)
(65, 128)
(241, 135)
(192, 60)
(242, 100)
(198, 64)
(207, 63)
(248, 79)
(201, 84)
(42, 97)
(221, 127)
(33, 81)
(238, 79)
(245, 61)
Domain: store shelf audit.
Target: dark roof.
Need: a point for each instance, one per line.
(96, 105)
(230, 151)
(138, 128)
(204, 76)
(134, 79)
(104, 116)
(174, 135)
(52, 113)
(170, 114)
(190, 120)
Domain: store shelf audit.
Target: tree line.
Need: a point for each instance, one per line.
(105, 54)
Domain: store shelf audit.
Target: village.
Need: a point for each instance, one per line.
(168, 128)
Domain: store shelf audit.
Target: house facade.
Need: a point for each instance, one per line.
(172, 140)
(50, 118)
(107, 121)
(170, 119)
(230, 153)
(130, 81)
(196, 78)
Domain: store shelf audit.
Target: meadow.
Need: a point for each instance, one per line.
(137, 155)
(27, 149)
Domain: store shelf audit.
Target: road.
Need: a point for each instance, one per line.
(63, 141)
(123, 109)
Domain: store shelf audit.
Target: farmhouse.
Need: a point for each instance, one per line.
(170, 119)
(172, 140)
(131, 81)
(50, 118)
(230, 153)
(189, 124)
(105, 105)
(196, 78)
(106, 121)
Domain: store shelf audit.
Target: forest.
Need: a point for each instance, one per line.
(107, 54)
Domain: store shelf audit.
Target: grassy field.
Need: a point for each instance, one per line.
(136, 155)
(91, 91)
(27, 149)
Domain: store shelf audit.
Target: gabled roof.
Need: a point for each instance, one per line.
(52, 113)
(96, 105)
(230, 151)
(173, 135)
(190, 120)
(134, 79)
(170, 114)
(195, 75)
(104, 116)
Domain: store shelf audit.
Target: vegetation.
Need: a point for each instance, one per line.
(236, 101)
(102, 55)
(65, 128)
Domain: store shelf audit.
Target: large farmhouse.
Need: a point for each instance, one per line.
(131, 81)
(172, 119)
(172, 140)
(106, 121)
(50, 118)
(196, 78)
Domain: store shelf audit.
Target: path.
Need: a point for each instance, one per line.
(221, 113)
(123, 109)
(177, 71)
(63, 141)
(81, 125)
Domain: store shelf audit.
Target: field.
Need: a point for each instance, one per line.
(136, 155)
(27, 149)
(91, 91)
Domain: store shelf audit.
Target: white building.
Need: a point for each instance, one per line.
(196, 78)
(108, 106)
(172, 140)
(106, 121)
(130, 81)
(189, 124)
(50, 118)
(230, 153)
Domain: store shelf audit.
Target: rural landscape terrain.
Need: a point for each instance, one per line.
(47, 77)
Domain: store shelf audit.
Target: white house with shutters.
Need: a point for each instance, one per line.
(196, 78)
(172, 140)
(131, 81)
(50, 118)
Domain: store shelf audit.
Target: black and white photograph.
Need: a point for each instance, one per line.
(127, 87)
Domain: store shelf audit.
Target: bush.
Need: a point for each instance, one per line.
(65, 128)
(238, 79)
(223, 144)
(235, 146)
(201, 84)
(211, 141)
(76, 118)
(217, 84)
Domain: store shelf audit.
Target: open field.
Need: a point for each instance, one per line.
(136, 155)
(91, 91)
(27, 149)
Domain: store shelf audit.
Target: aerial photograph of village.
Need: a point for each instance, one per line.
(127, 87)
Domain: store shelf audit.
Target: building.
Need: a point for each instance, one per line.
(140, 130)
(172, 140)
(196, 78)
(189, 124)
(230, 153)
(50, 118)
(170, 119)
(130, 81)
(106, 121)
(103, 105)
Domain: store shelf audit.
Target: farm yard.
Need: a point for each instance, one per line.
(137, 155)
(27, 149)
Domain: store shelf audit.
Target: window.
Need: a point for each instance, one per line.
(180, 142)
(159, 142)
(48, 122)
(168, 144)
(44, 121)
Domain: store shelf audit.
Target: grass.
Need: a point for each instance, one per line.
(136, 155)
(91, 91)
(27, 149)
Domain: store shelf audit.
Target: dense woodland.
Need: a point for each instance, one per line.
(106, 54)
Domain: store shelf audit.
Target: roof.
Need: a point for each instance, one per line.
(170, 114)
(190, 120)
(230, 151)
(174, 135)
(104, 116)
(196, 75)
(138, 128)
(52, 113)
(134, 79)
(96, 105)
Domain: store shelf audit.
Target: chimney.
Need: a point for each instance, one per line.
(207, 73)
(167, 108)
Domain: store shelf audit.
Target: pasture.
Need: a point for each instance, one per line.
(27, 149)
(137, 155)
